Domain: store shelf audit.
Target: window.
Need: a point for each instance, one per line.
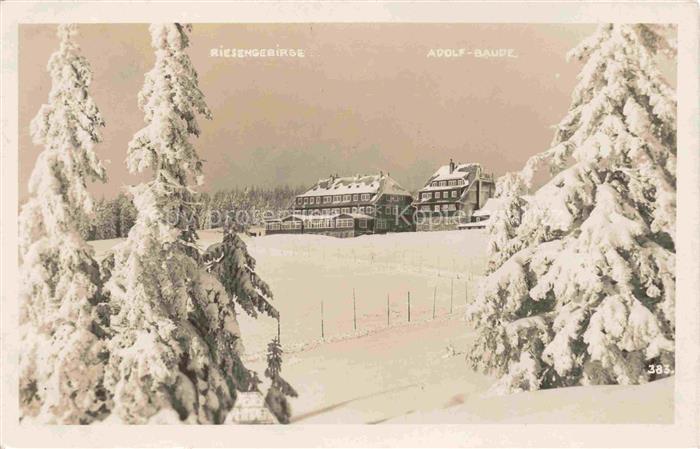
(346, 198)
(452, 182)
(354, 210)
(444, 207)
(327, 199)
(306, 201)
(426, 196)
(355, 197)
(443, 183)
(363, 223)
(425, 208)
(345, 210)
(336, 198)
(437, 195)
(296, 224)
(344, 222)
(273, 226)
(370, 209)
(437, 208)
(452, 207)
(381, 224)
(361, 209)
(365, 197)
(300, 201)
(454, 194)
(387, 209)
(336, 210)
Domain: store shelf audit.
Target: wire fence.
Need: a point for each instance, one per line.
(343, 290)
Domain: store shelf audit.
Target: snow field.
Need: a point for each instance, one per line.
(305, 270)
(408, 372)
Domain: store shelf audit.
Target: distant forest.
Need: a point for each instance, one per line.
(115, 217)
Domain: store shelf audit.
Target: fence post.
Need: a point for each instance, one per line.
(434, 295)
(409, 307)
(387, 310)
(322, 333)
(354, 311)
(452, 290)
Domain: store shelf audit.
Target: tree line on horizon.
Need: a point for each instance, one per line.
(114, 217)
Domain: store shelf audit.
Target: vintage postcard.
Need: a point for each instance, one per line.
(395, 224)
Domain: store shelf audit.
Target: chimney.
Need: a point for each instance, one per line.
(452, 166)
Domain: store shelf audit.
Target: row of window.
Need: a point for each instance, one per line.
(306, 200)
(438, 207)
(287, 225)
(452, 182)
(339, 210)
(333, 199)
(439, 195)
(369, 210)
(340, 223)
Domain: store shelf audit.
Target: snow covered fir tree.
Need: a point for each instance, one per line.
(280, 389)
(62, 324)
(231, 263)
(175, 352)
(581, 285)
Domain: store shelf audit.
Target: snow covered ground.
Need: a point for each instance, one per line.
(401, 372)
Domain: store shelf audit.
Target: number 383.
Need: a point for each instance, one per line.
(659, 369)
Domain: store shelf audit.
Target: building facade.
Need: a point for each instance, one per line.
(348, 207)
(451, 196)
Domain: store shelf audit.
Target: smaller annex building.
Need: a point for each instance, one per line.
(334, 225)
(452, 195)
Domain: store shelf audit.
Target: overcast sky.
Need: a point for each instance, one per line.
(366, 97)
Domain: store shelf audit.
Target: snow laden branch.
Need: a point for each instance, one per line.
(233, 265)
(581, 287)
(62, 319)
(175, 356)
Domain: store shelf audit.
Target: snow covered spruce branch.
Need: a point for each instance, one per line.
(581, 281)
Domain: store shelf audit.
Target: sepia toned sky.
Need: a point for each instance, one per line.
(364, 98)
